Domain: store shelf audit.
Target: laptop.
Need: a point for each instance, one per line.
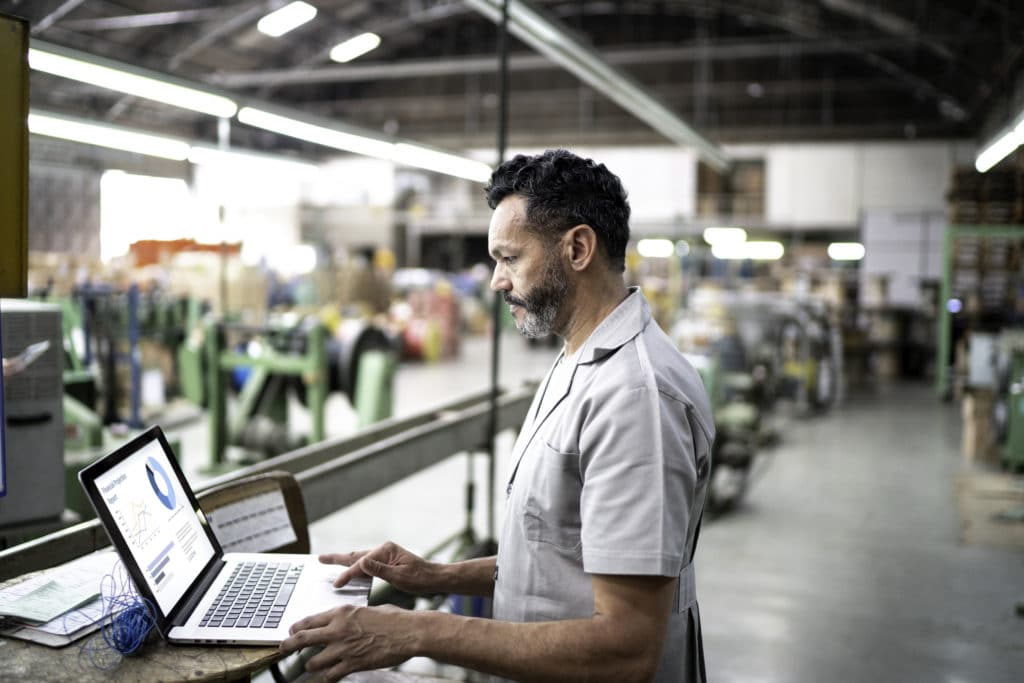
(200, 593)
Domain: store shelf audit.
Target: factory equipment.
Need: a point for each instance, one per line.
(35, 423)
(269, 362)
(812, 354)
(737, 423)
(1013, 456)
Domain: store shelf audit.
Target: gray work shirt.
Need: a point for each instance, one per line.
(612, 468)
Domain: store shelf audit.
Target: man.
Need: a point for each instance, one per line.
(594, 577)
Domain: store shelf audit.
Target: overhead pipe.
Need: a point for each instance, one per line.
(550, 37)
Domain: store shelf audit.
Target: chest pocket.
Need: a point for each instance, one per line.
(551, 512)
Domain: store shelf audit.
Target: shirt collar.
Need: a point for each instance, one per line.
(628, 319)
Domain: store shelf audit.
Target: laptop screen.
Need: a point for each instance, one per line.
(152, 511)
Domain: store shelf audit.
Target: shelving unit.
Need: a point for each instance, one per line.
(945, 317)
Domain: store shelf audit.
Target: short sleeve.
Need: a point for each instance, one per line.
(638, 468)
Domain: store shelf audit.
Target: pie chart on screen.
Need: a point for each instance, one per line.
(163, 490)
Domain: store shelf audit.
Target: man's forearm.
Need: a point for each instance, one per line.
(469, 577)
(592, 650)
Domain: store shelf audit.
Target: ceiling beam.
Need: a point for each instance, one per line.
(550, 37)
(796, 23)
(482, 64)
(130, 21)
(55, 16)
(892, 24)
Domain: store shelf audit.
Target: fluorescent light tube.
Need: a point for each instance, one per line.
(321, 135)
(211, 156)
(41, 123)
(402, 153)
(754, 251)
(354, 47)
(719, 235)
(442, 162)
(846, 251)
(289, 17)
(1001, 148)
(148, 87)
(655, 248)
(764, 251)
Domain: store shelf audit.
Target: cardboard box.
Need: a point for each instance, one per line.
(978, 438)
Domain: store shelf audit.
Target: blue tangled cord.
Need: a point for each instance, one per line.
(127, 620)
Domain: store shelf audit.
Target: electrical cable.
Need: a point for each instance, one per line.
(127, 621)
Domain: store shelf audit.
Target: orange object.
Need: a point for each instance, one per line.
(149, 252)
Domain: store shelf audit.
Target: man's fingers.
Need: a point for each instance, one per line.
(328, 658)
(301, 638)
(352, 572)
(312, 621)
(367, 566)
(346, 559)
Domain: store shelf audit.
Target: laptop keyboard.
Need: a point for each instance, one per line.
(254, 596)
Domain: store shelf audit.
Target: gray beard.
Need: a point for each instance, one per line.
(544, 303)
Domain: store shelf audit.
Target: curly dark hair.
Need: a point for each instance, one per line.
(563, 190)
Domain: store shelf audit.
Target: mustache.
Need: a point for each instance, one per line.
(512, 301)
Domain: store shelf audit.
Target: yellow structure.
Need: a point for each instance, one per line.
(14, 159)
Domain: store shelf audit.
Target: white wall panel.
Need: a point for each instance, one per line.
(812, 185)
(904, 246)
(906, 176)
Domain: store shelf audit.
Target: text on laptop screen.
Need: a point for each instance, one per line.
(164, 535)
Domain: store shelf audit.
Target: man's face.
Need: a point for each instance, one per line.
(528, 272)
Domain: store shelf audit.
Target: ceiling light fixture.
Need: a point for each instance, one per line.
(203, 155)
(753, 251)
(548, 36)
(151, 85)
(330, 134)
(655, 248)
(846, 251)
(288, 18)
(442, 162)
(354, 47)
(1000, 148)
(720, 235)
(319, 134)
(65, 128)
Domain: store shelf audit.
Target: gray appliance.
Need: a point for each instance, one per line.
(34, 403)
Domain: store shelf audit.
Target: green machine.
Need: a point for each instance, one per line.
(260, 421)
(737, 429)
(270, 362)
(1013, 455)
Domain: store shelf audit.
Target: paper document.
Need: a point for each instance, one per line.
(49, 601)
(80, 576)
(26, 357)
(253, 525)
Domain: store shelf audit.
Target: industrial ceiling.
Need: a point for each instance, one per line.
(749, 70)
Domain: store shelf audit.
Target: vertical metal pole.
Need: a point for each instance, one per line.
(217, 397)
(134, 356)
(945, 331)
(83, 295)
(316, 378)
(492, 470)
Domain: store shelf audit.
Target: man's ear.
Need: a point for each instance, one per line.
(581, 246)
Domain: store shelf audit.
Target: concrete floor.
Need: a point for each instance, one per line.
(842, 564)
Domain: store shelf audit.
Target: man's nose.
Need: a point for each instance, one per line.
(500, 283)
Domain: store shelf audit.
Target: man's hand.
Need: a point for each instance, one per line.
(354, 639)
(392, 563)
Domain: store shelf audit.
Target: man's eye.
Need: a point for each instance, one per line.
(508, 260)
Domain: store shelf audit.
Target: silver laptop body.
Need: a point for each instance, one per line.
(168, 547)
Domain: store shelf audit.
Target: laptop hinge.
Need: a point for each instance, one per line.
(196, 594)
